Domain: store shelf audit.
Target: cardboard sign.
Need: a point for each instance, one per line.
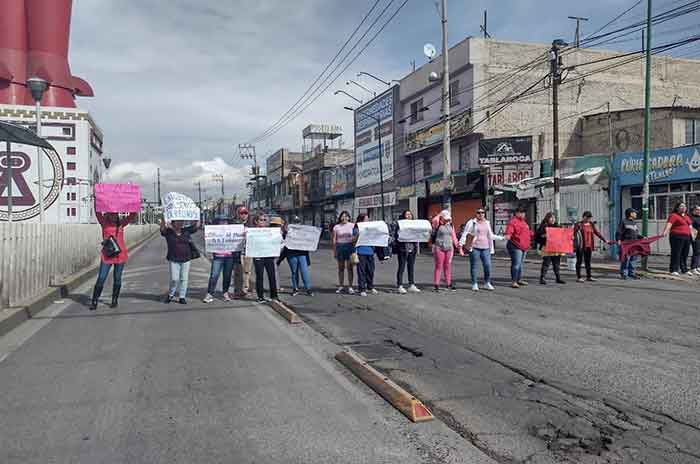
(117, 198)
(303, 238)
(224, 238)
(178, 207)
(263, 242)
(373, 233)
(559, 240)
(414, 230)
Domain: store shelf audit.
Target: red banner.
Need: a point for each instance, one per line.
(559, 240)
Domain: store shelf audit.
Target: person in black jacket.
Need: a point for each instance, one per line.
(628, 230)
(181, 251)
(548, 258)
(263, 265)
(406, 252)
(298, 263)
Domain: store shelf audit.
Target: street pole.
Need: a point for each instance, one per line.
(160, 202)
(647, 131)
(8, 159)
(447, 160)
(40, 163)
(556, 80)
(381, 169)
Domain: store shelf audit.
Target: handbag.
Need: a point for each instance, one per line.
(354, 259)
(110, 247)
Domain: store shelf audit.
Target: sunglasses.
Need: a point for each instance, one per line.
(481, 212)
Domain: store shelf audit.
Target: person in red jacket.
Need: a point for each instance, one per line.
(112, 226)
(585, 231)
(679, 234)
(519, 236)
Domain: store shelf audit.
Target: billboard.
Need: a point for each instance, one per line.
(507, 150)
(367, 133)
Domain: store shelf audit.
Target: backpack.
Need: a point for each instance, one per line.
(578, 238)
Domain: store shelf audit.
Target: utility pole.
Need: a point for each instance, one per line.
(555, 65)
(160, 202)
(578, 20)
(484, 27)
(647, 131)
(247, 151)
(8, 160)
(447, 159)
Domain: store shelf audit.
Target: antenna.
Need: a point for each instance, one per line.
(484, 27)
(578, 20)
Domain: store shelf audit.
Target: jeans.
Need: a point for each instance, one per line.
(483, 254)
(406, 259)
(179, 274)
(365, 272)
(299, 263)
(104, 272)
(583, 254)
(219, 265)
(263, 265)
(695, 263)
(627, 267)
(680, 249)
(517, 256)
(443, 265)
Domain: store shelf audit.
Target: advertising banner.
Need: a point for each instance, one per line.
(179, 207)
(508, 150)
(117, 198)
(224, 238)
(367, 152)
(373, 233)
(263, 242)
(303, 238)
(417, 230)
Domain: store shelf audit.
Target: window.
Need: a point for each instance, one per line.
(692, 131)
(67, 211)
(70, 166)
(70, 151)
(416, 115)
(71, 181)
(72, 212)
(463, 154)
(67, 131)
(454, 93)
(427, 167)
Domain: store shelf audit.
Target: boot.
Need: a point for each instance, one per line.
(96, 292)
(115, 297)
(543, 273)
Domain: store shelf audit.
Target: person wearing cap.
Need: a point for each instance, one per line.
(242, 273)
(444, 240)
(222, 263)
(584, 233)
(477, 240)
(628, 230)
(519, 237)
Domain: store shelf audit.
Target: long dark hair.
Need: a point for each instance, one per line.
(403, 215)
(547, 217)
(341, 215)
(361, 218)
(677, 207)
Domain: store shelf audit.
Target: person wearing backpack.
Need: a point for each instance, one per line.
(584, 233)
(113, 232)
(181, 251)
(365, 268)
(406, 252)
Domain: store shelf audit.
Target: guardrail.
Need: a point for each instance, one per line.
(34, 257)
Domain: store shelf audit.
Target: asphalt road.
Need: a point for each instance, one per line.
(218, 383)
(596, 372)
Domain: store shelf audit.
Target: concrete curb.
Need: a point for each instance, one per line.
(287, 313)
(10, 318)
(402, 400)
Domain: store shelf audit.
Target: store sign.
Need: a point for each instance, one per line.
(375, 201)
(368, 153)
(509, 174)
(460, 126)
(510, 150)
(667, 165)
(440, 186)
(415, 190)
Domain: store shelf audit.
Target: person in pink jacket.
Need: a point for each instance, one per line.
(444, 240)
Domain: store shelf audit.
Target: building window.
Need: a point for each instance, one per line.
(67, 131)
(70, 166)
(463, 161)
(692, 131)
(72, 212)
(67, 211)
(454, 93)
(416, 115)
(70, 151)
(427, 167)
(71, 181)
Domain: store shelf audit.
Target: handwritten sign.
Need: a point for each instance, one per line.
(178, 207)
(414, 230)
(559, 240)
(224, 238)
(373, 233)
(303, 238)
(117, 198)
(263, 242)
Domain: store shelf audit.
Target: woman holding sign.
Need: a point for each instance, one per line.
(341, 239)
(114, 253)
(264, 264)
(406, 251)
(549, 221)
(365, 268)
(181, 251)
(444, 241)
(222, 263)
(298, 262)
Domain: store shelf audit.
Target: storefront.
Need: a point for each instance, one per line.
(674, 176)
(467, 195)
(372, 205)
(410, 197)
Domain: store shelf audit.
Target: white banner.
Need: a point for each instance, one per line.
(224, 238)
(178, 207)
(303, 238)
(373, 233)
(414, 230)
(263, 242)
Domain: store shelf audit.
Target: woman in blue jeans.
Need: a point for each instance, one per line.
(180, 248)
(298, 264)
(365, 268)
(223, 263)
(477, 239)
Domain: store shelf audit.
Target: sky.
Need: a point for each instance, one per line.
(179, 84)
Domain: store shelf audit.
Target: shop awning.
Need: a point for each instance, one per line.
(530, 188)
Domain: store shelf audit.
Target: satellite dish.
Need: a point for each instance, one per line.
(429, 51)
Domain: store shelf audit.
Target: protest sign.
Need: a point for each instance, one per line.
(178, 207)
(224, 238)
(117, 198)
(559, 240)
(263, 242)
(414, 230)
(303, 238)
(373, 233)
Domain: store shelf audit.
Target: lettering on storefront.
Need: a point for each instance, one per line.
(666, 165)
(660, 167)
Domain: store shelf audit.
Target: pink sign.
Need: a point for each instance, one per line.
(559, 240)
(117, 198)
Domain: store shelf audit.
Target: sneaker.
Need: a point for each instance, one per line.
(690, 273)
(623, 277)
(168, 299)
(182, 301)
(475, 287)
(697, 271)
(340, 290)
(374, 291)
(489, 287)
(310, 293)
(677, 274)
(591, 279)
(208, 298)
(401, 290)
(542, 282)
(560, 281)
(580, 279)
(363, 293)
(453, 287)
(514, 285)
(522, 283)
(351, 291)
(436, 288)
(227, 296)
(295, 292)
(261, 300)
(413, 289)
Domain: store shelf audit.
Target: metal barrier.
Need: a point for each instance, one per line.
(35, 256)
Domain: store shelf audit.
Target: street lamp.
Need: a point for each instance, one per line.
(345, 93)
(362, 87)
(37, 86)
(373, 77)
(379, 140)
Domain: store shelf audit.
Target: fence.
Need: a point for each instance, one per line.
(35, 256)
